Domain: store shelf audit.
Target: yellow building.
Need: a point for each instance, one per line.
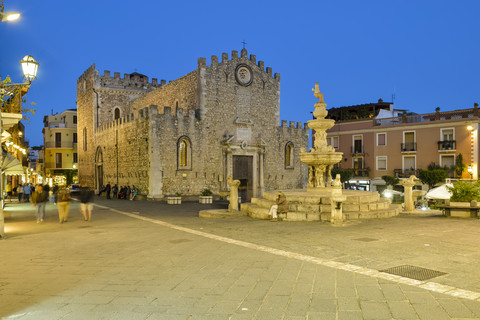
(60, 147)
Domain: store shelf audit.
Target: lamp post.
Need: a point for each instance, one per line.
(7, 15)
(8, 92)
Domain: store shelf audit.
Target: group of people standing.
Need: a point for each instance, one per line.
(61, 197)
(23, 191)
(124, 192)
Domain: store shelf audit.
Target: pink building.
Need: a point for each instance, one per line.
(404, 145)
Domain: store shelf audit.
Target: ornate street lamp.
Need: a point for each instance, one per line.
(29, 68)
(7, 15)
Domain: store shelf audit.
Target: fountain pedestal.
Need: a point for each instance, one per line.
(322, 157)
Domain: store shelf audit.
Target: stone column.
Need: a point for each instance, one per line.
(408, 192)
(233, 184)
(256, 183)
(260, 165)
(229, 168)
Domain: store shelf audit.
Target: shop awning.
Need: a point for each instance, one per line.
(11, 165)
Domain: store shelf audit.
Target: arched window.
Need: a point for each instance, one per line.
(289, 155)
(184, 153)
(99, 155)
(116, 114)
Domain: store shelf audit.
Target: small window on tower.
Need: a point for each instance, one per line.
(289, 155)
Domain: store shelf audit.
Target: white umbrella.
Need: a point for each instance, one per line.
(440, 193)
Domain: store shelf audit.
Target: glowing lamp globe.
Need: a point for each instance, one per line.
(29, 67)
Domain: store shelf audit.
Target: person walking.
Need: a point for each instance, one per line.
(63, 204)
(280, 206)
(39, 200)
(86, 203)
(9, 191)
(55, 191)
(46, 189)
(20, 192)
(26, 192)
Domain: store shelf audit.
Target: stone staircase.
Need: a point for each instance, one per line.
(311, 206)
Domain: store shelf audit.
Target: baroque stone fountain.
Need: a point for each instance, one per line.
(323, 199)
(321, 157)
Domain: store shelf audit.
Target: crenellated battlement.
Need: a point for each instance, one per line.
(147, 113)
(293, 124)
(129, 80)
(202, 62)
(86, 73)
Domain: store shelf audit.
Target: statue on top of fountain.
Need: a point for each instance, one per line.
(322, 156)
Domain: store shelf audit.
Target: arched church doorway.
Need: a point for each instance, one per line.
(98, 169)
(243, 171)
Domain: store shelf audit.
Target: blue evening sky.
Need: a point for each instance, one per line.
(425, 52)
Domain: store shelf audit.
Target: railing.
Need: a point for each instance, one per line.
(399, 173)
(447, 145)
(357, 149)
(437, 116)
(62, 145)
(409, 146)
(360, 172)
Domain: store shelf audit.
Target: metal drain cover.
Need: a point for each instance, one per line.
(413, 272)
(366, 239)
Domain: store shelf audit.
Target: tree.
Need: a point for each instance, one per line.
(465, 192)
(390, 180)
(432, 177)
(345, 174)
(459, 165)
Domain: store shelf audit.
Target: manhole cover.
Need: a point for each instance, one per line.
(366, 239)
(179, 240)
(413, 272)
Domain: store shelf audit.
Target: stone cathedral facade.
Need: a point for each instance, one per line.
(190, 134)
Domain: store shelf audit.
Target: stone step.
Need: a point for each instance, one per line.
(257, 212)
(264, 203)
(302, 216)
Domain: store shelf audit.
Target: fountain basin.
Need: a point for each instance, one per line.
(317, 158)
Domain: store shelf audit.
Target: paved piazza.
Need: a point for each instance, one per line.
(149, 260)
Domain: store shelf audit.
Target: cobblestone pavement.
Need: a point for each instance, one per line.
(149, 260)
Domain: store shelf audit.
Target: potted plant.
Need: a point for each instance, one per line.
(206, 197)
(176, 199)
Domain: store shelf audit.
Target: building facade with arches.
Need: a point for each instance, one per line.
(220, 120)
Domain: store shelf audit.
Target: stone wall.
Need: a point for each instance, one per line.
(124, 145)
(219, 116)
(181, 93)
(85, 124)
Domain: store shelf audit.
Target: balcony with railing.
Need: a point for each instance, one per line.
(446, 145)
(360, 172)
(358, 149)
(408, 147)
(60, 145)
(399, 173)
